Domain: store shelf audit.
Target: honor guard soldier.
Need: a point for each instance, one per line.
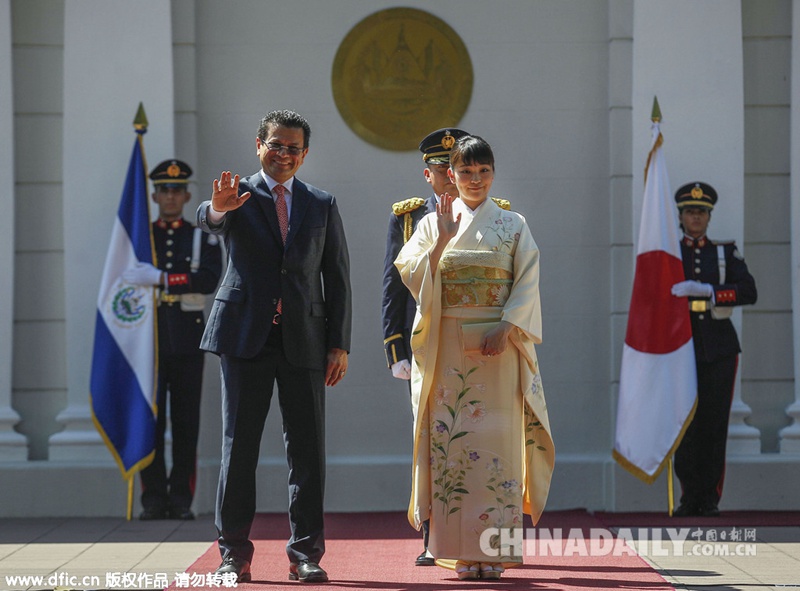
(189, 266)
(717, 279)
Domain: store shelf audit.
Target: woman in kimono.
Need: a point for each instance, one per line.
(483, 454)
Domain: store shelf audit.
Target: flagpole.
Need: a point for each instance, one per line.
(140, 124)
(670, 488)
(130, 497)
(655, 117)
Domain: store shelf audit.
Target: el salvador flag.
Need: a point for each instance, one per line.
(123, 378)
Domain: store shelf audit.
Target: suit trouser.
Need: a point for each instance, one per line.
(180, 379)
(247, 386)
(700, 458)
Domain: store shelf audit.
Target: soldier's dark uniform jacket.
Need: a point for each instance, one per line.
(398, 304)
(714, 338)
(180, 331)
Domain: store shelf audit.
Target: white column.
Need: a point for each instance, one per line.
(790, 435)
(123, 57)
(702, 102)
(12, 444)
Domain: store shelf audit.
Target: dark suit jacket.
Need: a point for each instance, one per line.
(311, 275)
(398, 305)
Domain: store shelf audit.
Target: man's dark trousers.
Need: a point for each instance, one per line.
(301, 397)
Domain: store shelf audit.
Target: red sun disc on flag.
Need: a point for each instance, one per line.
(658, 322)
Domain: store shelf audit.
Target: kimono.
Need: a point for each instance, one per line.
(483, 452)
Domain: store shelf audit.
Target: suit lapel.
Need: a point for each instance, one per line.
(300, 200)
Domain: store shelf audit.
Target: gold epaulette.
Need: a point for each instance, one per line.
(502, 203)
(407, 205)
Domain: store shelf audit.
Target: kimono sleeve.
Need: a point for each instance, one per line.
(523, 307)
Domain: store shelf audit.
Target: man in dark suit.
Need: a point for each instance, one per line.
(398, 304)
(283, 313)
(717, 279)
(189, 265)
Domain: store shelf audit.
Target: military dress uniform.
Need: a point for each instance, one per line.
(700, 458)
(180, 360)
(398, 304)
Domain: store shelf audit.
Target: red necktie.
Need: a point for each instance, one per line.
(283, 222)
(283, 212)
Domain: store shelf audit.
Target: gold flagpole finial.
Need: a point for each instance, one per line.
(140, 121)
(656, 116)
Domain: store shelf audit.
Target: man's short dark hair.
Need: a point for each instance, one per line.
(284, 118)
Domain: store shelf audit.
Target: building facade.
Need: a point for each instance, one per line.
(562, 90)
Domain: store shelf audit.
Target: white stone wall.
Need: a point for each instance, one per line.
(38, 345)
(768, 382)
(13, 446)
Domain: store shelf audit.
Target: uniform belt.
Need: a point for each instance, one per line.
(169, 298)
(699, 306)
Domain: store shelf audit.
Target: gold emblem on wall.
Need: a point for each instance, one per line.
(398, 75)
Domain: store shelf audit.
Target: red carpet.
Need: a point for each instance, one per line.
(726, 519)
(376, 551)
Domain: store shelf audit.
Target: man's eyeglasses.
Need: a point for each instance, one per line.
(291, 150)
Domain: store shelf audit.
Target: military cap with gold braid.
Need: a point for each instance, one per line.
(696, 194)
(436, 146)
(171, 173)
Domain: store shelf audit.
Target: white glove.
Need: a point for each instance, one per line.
(402, 369)
(142, 274)
(693, 289)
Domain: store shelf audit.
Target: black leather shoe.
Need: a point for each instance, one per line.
(239, 566)
(709, 510)
(424, 560)
(182, 513)
(152, 514)
(307, 572)
(686, 510)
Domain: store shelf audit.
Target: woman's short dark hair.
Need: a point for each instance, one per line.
(471, 149)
